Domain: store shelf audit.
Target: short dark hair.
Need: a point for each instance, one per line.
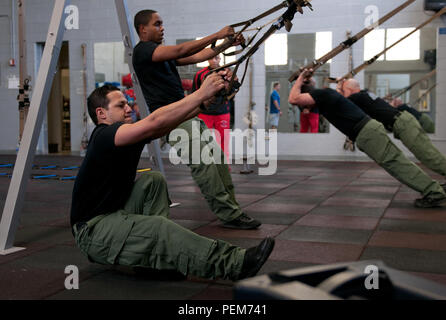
(275, 84)
(306, 87)
(98, 98)
(142, 18)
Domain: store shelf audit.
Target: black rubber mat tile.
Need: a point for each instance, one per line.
(31, 234)
(315, 252)
(408, 259)
(433, 214)
(290, 208)
(355, 202)
(330, 235)
(400, 225)
(272, 266)
(215, 292)
(356, 194)
(408, 240)
(349, 211)
(337, 221)
(114, 285)
(275, 218)
(36, 283)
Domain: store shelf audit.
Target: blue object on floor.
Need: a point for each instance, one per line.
(49, 167)
(68, 178)
(45, 177)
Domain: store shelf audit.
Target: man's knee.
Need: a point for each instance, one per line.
(153, 178)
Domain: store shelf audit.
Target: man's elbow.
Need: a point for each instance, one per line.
(292, 99)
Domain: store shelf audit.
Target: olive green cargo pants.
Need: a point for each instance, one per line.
(141, 235)
(427, 124)
(409, 131)
(373, 140)
(213, 179)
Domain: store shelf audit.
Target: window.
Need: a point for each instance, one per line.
(374, 43)
(409, 49)
(323, 44)
(276, 50)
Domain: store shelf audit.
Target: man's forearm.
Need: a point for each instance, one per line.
(169, 117)
(192, 47)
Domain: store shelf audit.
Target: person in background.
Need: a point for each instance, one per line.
(217, 112)
(425, 121)
(309, 120)
(274, 107)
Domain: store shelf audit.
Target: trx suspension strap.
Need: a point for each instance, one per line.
(284, 20)
(371, 61)
(349, 42)
(409, 87)
(424, 95)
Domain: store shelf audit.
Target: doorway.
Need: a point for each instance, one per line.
(58, 109)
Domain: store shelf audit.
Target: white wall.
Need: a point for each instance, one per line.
(194, 18)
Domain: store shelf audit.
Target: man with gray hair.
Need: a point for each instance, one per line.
(370, 137)
(404, 126)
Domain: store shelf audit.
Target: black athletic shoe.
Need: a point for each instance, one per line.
(243, 222)
(255, 257)
(429, 202)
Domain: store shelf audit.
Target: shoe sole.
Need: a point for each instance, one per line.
(264, 257)
(240, 227)
(436, 205)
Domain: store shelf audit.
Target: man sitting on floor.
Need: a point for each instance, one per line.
(119, 221)
(370, 137)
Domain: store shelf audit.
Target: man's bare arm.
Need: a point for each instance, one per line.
(296, 96)
(167, 118)
(189, 48)
(209, 53)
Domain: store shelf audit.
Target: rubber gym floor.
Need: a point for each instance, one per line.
(318, 212)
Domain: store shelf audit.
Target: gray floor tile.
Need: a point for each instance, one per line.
(273, 218)
(349, 211)
(332, 235)
(115, 285)
(399, 225)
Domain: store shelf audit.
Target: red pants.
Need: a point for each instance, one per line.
(219, 123)
(309, 122)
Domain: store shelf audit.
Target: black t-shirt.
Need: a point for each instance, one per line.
(106, 176)
(415, 113)
(220, 104)
(376, 108)
(160, 81)
(340, 112)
